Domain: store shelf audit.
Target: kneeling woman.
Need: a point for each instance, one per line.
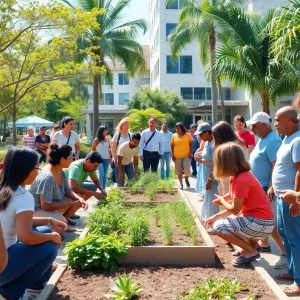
(31, 250)
(249, 217)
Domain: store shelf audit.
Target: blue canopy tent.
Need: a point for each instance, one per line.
(31, 121)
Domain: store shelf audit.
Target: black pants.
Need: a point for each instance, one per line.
(151, 160)
(194, 167)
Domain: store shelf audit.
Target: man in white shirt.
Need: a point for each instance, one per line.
(127, 152)
(166, 156)
(151, 146)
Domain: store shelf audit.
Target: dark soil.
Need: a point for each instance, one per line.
(142, 198)
(163, 283)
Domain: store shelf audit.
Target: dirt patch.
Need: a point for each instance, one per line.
(142, 198)
(162, 283)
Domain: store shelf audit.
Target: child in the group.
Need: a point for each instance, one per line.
(249, 217)
(31, 250)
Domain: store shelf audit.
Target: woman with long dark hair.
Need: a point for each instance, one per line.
(31, 250)
(101, 144)
(51, 191)
(182, 153)
(67, 136)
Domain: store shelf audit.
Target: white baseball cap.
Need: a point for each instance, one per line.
(259, 117)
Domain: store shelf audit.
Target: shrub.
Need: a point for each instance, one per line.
(84, 149)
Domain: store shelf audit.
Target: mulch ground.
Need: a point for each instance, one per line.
(142, 198)
(163, 283)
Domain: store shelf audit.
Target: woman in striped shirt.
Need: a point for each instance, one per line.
(29, 138)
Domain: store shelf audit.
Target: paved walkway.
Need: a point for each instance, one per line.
(267, 260)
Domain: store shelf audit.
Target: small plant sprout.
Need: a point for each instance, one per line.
(123, 288)
(166, 226)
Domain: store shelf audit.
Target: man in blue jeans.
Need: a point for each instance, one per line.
(166, 156)
(127, 152)
(286, 176)
(262, 160)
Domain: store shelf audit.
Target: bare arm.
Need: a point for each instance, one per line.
(250, 148)
(77, 150)
(3, 252)
(53, 206)
(95, 143)
(113, 146)
(136, 165)
(27, 236)
(75, 188)
(234, 207)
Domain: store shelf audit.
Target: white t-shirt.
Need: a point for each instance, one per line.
(127, 153)
(103, 149)
(21, 201)
(60, 139)
(122, 139)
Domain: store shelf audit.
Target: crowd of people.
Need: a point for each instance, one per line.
(250, 188)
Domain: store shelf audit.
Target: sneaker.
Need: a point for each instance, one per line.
(187, 182)
(75, 217)
(282, 262)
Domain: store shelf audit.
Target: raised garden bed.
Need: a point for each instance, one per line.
(163, 283)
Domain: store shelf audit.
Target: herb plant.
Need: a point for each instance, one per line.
(165, 224)
(95, 252)
(124, 288)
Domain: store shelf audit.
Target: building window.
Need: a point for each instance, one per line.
(169, 28)
(105, 81)
(187, 93)
(186, 65)
(183, 66)
(208, 93)
(172, 4)
(109, 99)
(123, 79)
(123, 98)
(199, 93)
(172, 67)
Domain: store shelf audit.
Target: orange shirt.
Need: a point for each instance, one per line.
(256, 202)
(181, 145)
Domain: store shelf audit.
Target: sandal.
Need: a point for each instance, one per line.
(284, 276)
(239, 253)
(243, 259)
(71, 222)
(290, 292)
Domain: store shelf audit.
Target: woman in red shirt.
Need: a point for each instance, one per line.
(243, 133)
(248, 217)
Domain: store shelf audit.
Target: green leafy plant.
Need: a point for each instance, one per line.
(165, 224)
(216, 290)
(95, 252)
(185, 219)
(124, 288)
(151, 191)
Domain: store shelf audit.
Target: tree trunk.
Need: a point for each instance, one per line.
(214, 93)
(221, 99)
(265, 102)
(4, 128)
(96, 103)
(14, 120)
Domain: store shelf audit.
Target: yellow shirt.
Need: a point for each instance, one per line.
(181, 145)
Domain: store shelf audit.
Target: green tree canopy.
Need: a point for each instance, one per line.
(138, 119)
(164, 101)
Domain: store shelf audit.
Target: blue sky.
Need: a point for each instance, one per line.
(138, 9)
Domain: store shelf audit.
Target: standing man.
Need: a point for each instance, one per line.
(166, 156)
(262, 161)
(193, 129)
(151, 146)
(127, 152)
(286, 176)
(42, 142)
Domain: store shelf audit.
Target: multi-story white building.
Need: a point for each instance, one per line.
(116, 97)
(186, 76)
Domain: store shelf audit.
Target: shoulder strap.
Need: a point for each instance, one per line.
(69, 137)
(118, 139)
(149, 139)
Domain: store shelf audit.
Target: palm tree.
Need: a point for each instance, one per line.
(194, 25)
(248, 61)
(115, 41)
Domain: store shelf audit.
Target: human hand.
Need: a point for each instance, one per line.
(83, 203)
(76, 157)
(174, 158)
(59, 225)
(295, 210)
(100, 195)
(208, 185)
(103, 192)
(142, 158)
(191, 157)
(210, 222)
(288, 196)
(271, 194)
(55, 238)
(135, 173)
(218, 201)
